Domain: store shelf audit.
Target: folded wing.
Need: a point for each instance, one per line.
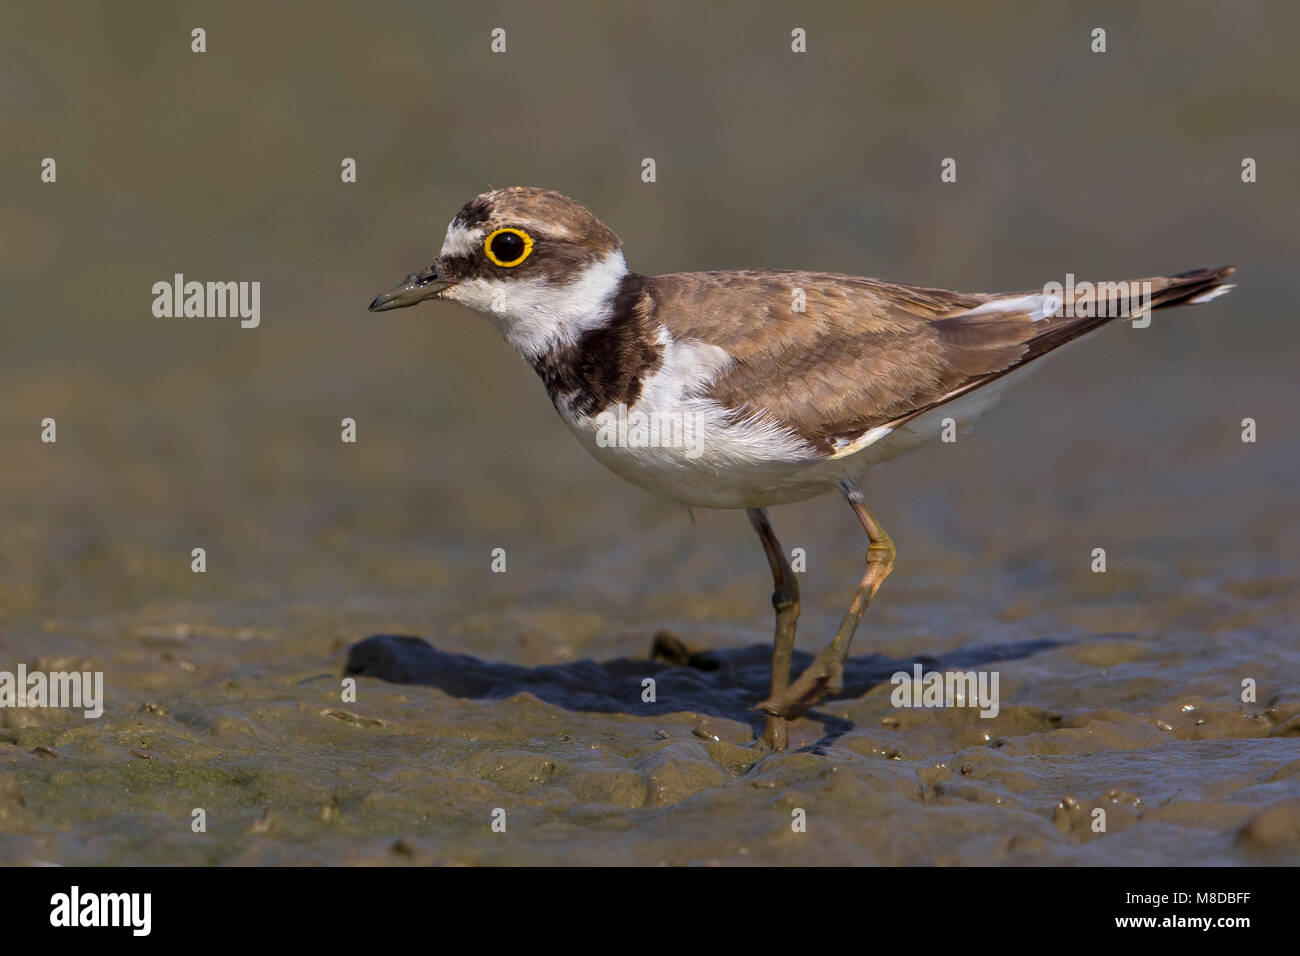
(863, 355)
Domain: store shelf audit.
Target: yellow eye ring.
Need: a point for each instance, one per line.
(507, 247)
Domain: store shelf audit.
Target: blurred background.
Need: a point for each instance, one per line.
(183, 433)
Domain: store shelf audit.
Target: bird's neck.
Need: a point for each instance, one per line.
(605, 364)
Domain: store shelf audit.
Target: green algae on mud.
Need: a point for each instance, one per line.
(285, 773)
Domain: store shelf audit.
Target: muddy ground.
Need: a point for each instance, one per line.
(1119, 690)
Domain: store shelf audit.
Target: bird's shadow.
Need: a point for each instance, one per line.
(721, 683)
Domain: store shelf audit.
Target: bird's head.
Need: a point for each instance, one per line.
(536, 263)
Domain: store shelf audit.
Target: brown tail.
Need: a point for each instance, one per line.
(1165, 291)
(1187, 288)
(1009, 331)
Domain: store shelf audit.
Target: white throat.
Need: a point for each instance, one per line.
(536, 315)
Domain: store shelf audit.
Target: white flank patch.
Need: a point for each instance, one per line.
(687, 369)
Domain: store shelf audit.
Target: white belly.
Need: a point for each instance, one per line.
(717, 467)
(688, 449)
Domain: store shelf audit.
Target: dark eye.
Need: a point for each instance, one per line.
(508, 247)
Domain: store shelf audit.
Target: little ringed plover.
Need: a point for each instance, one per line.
(792, 383)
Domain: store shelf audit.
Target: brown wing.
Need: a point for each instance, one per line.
(865, 353)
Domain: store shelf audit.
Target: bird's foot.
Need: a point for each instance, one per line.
(776, 735)
(825, 675)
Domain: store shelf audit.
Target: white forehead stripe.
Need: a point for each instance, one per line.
(461, 241)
